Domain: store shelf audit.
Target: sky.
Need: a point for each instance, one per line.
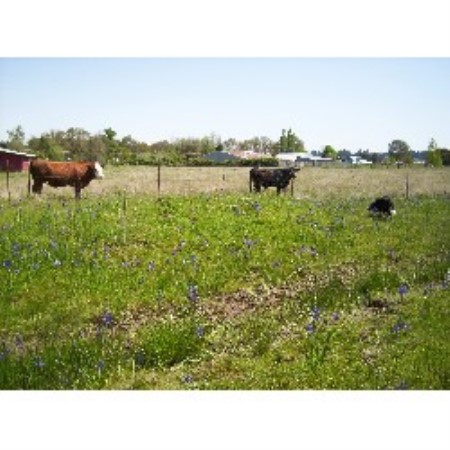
(351, 103)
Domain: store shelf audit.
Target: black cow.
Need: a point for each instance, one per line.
(279, 178)
(382, 206)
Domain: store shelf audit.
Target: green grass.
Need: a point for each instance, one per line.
(223, 292)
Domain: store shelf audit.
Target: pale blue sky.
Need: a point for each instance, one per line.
(349, 103)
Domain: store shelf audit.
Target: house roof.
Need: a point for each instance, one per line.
(16, 153)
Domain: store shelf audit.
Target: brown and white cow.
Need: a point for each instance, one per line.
(57, 174)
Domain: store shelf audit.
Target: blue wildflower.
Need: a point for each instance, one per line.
(187, 378)
(403, 289)
(400, 326)
(192, 294)
(101, 365)
(200, 331)
(151, 266)
(256, 207)
(310, 328)
(107, 319)
(315, 312)
(249, 243)
(7, 264)
(38, 362)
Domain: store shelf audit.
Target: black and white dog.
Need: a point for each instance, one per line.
(382, 206)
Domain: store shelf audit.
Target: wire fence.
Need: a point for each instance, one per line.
(310, 182)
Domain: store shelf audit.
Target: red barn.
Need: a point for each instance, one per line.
(14, 161)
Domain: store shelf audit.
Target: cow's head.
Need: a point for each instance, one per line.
(98, 170)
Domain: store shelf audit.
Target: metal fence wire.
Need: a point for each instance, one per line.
(310, 182)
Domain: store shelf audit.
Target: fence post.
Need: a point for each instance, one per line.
(292, 187)
(159, 179)
(29, 181)
(407, 185)
(7, 180)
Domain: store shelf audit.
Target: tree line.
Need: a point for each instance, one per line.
(106, 147)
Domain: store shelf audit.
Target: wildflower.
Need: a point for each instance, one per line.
(402, 290)
(187, 378)
(249, 243)
(400, 326)
(56, 263)
(256, 207)
(335, 316)
(107, 319)
(313, 251)
(310, 328)
(7, 264)
(200, 331)
(315, 312)
(151, 266)
(38, 362)
(192, 294)
(101, 365)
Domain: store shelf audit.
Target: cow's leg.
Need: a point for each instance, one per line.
(37, 186)
(77, 190)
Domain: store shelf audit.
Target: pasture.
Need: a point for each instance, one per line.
(223, 289)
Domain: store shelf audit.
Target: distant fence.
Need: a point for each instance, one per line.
(312, 182)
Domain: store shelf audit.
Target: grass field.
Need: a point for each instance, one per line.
(223, 289)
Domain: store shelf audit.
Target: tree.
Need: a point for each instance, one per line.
(433, 156)
(399, 151)
(289, 142)
(329, 152)
(16, 138)
(47, 147)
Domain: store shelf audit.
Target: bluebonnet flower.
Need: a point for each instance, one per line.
(200, 331)
(192, 294)
(402, 290)
(315, 312)
(15, 248)
(101, 365)
(107, 319)
(400, 326)
(187, 378)
(7, 264)
(310, 328)
(256, 207)
(38, 362)
(249, 243)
